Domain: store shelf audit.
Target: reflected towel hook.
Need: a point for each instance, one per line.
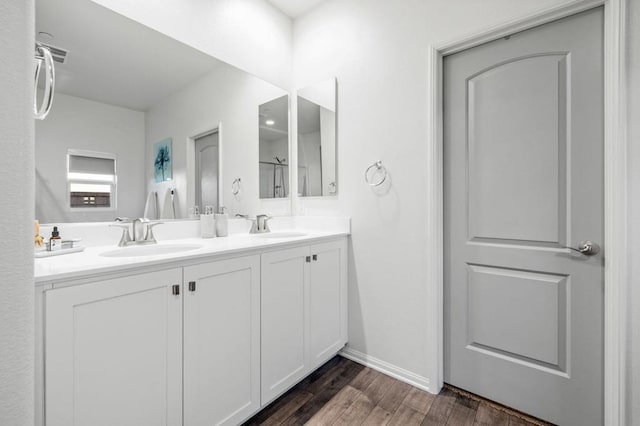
(235, 186)
(379, 169)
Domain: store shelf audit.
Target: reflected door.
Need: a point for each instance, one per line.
(207, 160)
(523, 146)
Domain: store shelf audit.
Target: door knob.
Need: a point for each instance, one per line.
(588, 248)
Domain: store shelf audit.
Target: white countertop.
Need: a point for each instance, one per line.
(90, 262)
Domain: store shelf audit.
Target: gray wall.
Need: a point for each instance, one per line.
(76, 123)
(16, 212)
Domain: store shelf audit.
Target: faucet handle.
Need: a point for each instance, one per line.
(262, 225)
(126, 236)
(149, 236)
(253, 220)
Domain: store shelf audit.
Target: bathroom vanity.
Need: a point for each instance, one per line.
(204, 336)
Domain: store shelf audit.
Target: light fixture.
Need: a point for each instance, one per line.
(269, 122)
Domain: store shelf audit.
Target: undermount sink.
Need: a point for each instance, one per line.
(150, 250)
(282, 234)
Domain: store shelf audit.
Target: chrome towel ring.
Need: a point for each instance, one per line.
(378, 169)
(44, 56)
(235, 186)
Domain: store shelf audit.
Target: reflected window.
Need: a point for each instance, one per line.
(91, 179)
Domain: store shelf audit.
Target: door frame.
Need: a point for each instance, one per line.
(615, 188)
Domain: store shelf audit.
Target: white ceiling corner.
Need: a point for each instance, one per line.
(295, 8)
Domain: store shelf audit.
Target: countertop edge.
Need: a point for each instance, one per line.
(181, 260)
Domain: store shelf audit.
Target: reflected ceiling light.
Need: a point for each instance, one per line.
(269, 122)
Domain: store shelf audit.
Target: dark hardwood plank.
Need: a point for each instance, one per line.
(292, 403)
(364, 378)
(489, 416)
(406, 416)
(463, 412)
(378, 387)
(323, 395)
(516, 421)
(333, 409)
(320, 381)
(342, 393)
(378, 417)
(440, 409)
(419, 400)
(357, 413)
(394, 396)
(281, 406)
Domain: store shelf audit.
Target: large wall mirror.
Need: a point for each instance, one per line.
(317, 157)
(180, 125)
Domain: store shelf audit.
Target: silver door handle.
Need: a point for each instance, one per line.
(588, 248)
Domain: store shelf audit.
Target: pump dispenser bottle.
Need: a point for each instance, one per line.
(55, 242)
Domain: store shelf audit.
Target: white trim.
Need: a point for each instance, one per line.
(615, 143)
(388, 369)
(615, 211)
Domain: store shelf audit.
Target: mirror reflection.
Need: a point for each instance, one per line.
(317, 139)
(179, 124)
(274, 148)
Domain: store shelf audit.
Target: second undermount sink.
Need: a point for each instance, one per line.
(150, 250)
(282, 234)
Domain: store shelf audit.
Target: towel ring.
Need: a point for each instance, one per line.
(235, 186)
(379, 168)
(44, 57)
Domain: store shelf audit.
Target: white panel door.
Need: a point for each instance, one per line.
(222, 342)
(285, 320)
(207, 151)
(523, 146)
(114, 352)
(327, 301)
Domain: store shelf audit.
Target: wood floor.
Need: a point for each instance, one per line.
(343, 392)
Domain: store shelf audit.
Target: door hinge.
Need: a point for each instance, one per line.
(315, 257)
(308, 259)
(192, 286)
(175, 289)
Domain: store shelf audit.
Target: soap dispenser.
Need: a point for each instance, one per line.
(55, 242)
(222, 223)
(207, 223)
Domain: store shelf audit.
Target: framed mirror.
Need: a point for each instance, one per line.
(181, 124)
(317, 154)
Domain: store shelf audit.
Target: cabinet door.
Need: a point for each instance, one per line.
(114, 352)
(327, 301)
(222, 342)
(284, 289)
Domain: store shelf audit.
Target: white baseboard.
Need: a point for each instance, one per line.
(389, 369)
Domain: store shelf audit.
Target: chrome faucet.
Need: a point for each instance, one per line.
(142, 231)
(259, 223)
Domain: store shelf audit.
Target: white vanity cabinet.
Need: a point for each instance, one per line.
(222, 341)
(114, 352)
(205, 341)
(303, 312)
(327, 301)
(284, 319)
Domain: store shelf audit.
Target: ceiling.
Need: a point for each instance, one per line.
(113, 59)
(295, 8)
